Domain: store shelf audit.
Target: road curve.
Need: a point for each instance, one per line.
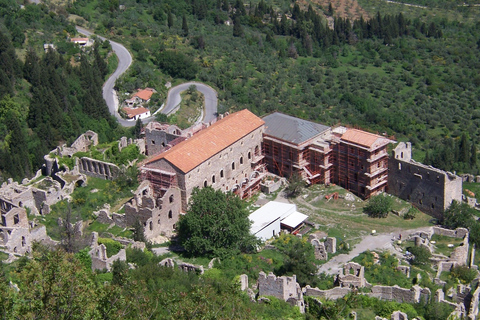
(109, 94)
(173, 97)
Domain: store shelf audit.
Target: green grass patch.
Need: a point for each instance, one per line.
(190, 109)
(442, 244)
(113, 247)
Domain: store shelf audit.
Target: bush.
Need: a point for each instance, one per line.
(463, 273)
(421, 255)
(379, 206)
(113, 247)
(411, 214)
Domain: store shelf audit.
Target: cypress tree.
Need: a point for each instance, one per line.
(170, 19)
(184, 26)
(473, 155)
(463, 149)
(237, 27)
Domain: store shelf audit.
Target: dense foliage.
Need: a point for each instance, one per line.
(216, 223)
(461, 215)
(47, 97)
(412, 77)
(379, 206)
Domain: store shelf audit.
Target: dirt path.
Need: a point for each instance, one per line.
(382, 242)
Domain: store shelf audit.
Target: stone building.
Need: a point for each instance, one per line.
(227, 156)
(158, 136)
(158, 214)
(430, 189)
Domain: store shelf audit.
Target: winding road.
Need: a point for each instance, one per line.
(173, 96)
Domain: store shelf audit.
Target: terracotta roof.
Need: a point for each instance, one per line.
(360, 137)
(144, 94)
(79, 39)
(192, 152)
(131, 112)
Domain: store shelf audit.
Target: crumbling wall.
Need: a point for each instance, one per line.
(98, 253)
(97, 168)
(473, 310)
(284, 288)
(395, 293)
(429, 189)
(158, 216)
(158, 136)
(334, 293)
(457, 233)
(352, 275)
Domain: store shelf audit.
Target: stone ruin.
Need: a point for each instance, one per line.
(17, 234)
(284, 288)
(167, 262)
(322, 249)
(100, 259)
(352, 276)
(158, 212)
(98, 169)
(106, 217)
(188, 267)
(82, 144)
(140, 143)
(396, 315)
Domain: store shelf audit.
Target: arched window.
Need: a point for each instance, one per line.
(241, 160)
(233, 165)
(205, 183)
(170, 215)
(171, 198)
(257, 151)
(213, 179)
(249, 155)
(221, 173)
(151, 226)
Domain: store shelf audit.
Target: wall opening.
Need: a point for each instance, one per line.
(170, 215)
(171, 198)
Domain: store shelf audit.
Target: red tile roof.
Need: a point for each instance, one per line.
(144, 94)
(79, 40)
(360, 137)
(131, 112)
(210, 141)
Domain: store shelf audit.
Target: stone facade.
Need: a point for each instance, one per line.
(158, 137)
(284, 288)
(430, 189)
(236, 166)
(157, 212)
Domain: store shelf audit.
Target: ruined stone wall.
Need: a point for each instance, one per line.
(98, 253)
(395, 293)
(457, 233)
(15, 218)
(157, 140)
(97, 168)
(334, 293)
(428, 188)
(159, 216)
(473, 310)
(16, 240)
(165, 216)
(280, 287)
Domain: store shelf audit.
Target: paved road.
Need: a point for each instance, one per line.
(173, 97)
(378, 242)
(109, 94)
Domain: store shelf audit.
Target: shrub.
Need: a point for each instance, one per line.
(113, 247)
(421, 255)
(411, 214)
(464, 274)
(378, 206)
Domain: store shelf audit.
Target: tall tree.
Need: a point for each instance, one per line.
(473, 155)
(170, 19)
(237, 27)
(215, 224)
(184, 26)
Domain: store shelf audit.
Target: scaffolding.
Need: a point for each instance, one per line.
(160, 180)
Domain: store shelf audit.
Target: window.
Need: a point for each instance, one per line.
(221, 173)
(249, 155)
(399, 166)
(16, 219)
(213, 179)
(241, 160)
(257, 151)
(233, 165)
(170, 215)
(151, 226)
(205, 184)
(171, 198)
(153, 141)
